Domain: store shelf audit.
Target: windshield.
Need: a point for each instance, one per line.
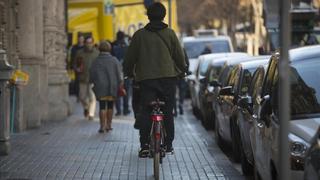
(305, 87)
(197, 48)
(204, 67)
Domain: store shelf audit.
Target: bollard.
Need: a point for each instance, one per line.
(6, 71)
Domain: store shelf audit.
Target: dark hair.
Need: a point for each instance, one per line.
(156, 11)
(120, 35)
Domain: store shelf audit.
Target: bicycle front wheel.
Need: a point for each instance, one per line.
(156, 164)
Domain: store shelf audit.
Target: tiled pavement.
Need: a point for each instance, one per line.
(74, 150)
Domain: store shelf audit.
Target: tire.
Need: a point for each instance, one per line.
(235, 141)
(218, 138)
(156, 165)
(246, 167)
(256, 175)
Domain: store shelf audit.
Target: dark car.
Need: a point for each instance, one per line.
(305, 113)
(245, 118)
(312, 164)
(236, 87)
(194, 80)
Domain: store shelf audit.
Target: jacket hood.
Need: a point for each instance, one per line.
(154, 26)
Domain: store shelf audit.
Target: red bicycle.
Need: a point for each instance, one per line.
(157, 149)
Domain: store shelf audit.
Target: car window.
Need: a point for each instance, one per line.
(256, 85)
(214, 73)
(245, 83)
(196, 48)
(305, 87)
(204, 67)
(269, 76)
(232, 77)
(224, 75)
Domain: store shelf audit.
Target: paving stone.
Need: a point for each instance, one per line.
(73, 149)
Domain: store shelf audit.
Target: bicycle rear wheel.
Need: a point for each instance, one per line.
(156, 165)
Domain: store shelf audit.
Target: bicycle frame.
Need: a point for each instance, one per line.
(157, 135)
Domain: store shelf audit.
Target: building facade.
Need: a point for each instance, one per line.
(33, 35)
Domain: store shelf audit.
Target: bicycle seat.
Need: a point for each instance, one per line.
(157, 103)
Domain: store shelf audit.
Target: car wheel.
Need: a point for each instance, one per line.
(274, 173)
(256, 175)
(218, 138)
(213, 120)
(246, 167)
(235, 141)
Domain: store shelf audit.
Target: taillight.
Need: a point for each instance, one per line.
(157, 118)
(157, 135)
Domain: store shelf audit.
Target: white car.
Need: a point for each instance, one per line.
(305, 113)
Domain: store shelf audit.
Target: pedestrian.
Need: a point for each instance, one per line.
(119, 48)
(74, 49)
(105, 74)
(155, 59)
(84, 60)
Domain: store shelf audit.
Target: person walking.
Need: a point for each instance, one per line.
(84, 60)
(105, 75)
(73, 64)
(119, 48)
(155, 59)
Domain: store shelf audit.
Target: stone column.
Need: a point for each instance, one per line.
(30, 34)
(55, 54)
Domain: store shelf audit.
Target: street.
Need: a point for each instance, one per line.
(73, 149)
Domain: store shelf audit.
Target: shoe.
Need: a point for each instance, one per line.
(117, 114)
(91, 118)
(127, 112)
(136, 124)
(181, 110)
(86, 113)
(144, 151)
(101, 131)
(169, 149)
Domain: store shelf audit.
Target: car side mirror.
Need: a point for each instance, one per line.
(246, 103)
(265, 110)
(226, 91)
(203, 80)
(215, 83)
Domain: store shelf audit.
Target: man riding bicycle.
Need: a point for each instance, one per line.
(155, 59)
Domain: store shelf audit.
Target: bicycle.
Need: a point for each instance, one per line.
(157, 149)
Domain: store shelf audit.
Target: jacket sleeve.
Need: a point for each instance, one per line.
(131, 57)
(178, 54)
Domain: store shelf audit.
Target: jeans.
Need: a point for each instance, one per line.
(164, 90)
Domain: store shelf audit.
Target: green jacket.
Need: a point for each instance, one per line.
(148, 56)
(84, 59)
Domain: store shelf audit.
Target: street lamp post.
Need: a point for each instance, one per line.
(284, 94)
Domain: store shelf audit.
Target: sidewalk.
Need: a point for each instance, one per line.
(74, 150)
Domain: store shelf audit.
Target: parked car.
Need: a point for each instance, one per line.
(245, 119)
(224, 67)
(234, 93)
(238, 76)
(305, 113)
(199, 45)
(207, 90)
(200, 72)
(312, 164)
